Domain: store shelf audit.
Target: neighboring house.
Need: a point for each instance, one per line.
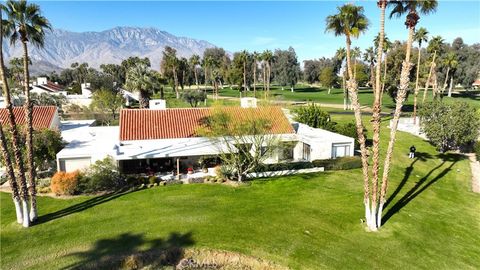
(476, 84)
(158, 139)
(43, 117)
(84, 99)
(42, 85)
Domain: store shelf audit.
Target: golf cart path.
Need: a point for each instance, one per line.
(475, 167)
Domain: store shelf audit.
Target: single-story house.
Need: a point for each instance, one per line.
(42, 85)
(158, 139)
(43, 117)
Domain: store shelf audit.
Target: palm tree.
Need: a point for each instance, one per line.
(172, 62)
(435, 46)
(194, 62)
(370, 57)
(421, 35)
(350, 21)
(450, 62)
(20, 199)
(356, 53)
(27, 25)
(340, 55)
(256, 56)
(376, 210)
(140, 79)
(412, 8)
(244, 55)
(267, 56)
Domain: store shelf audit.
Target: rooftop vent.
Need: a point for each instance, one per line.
(157, 104)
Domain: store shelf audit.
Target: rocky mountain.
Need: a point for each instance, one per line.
(62, 48)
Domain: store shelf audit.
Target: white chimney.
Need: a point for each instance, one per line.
(248, 102)
(157, 104)
(86, 91)
(41, 80)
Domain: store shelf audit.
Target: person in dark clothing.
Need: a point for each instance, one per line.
(412, 151)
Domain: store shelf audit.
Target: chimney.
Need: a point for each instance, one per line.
(157, 104)
(248, 102)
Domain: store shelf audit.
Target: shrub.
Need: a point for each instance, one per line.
(43, 182)
(313, 116)
(102, 176)
(284, 166)
(65, 183)
(343, 163)
(223, 172)
(152, 180)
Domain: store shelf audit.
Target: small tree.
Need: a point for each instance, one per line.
(107, 101)
(194, 97)
(449, 126)
(243, 143)
(328, 77)
(313, 116)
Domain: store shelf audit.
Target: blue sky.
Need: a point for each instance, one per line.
(257, 25)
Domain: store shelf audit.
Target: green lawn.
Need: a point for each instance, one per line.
(302, 222)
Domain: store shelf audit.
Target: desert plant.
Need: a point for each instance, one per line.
(64, 183)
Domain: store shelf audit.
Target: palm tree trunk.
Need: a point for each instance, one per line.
(13, 131)
(376, 121)
(427, 84)
(451, 86)
(269, 76)
(29, 134)
(264, 80)
(446, 81)
(416, 84)
(175, 84)
(254, 78)
(196, 78)
(353, 90)
(401, 95)
(345, 95)
(245, 75)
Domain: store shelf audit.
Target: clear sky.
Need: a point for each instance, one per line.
(257, 25)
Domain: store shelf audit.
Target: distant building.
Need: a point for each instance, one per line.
(476, 84)
(42, 85)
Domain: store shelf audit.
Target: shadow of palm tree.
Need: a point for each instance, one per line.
(419, 186)
(408, 171)
(133, 251)
(83, 205)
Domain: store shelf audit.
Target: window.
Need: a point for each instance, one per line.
(306, 152)
(286, 153)
(340, 150)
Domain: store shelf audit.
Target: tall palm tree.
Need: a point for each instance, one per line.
(341, 55)
(140, 79)
(27, 25)
(370, 57)
(451, 62)
(376, 210)
(412, 8)
(435, 46)
(244, 55)
(267, 56)
(20, 199)
(194, 62)
(256, 56)
(420, 36)
(350, 21)
(356, 53)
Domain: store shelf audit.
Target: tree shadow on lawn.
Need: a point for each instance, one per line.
(127, 251)
(83, 205)
(420, 186)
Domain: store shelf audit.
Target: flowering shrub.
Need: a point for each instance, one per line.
(64, 183)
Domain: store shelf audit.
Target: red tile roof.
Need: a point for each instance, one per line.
(476, 82)
(146, 124)
(51, 87)
(42, 116)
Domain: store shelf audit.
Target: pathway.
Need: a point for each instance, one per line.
(475, 167)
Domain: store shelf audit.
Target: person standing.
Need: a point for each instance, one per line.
(412, 151)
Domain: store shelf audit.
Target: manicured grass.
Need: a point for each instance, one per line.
(303, 222)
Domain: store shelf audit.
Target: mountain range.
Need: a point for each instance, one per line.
(62, 48)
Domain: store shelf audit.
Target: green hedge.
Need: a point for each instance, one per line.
(284, 166)
(343, 163)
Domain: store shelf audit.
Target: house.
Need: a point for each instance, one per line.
(43, 117)
(476, 84)
(42, 85)
(159, 139)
